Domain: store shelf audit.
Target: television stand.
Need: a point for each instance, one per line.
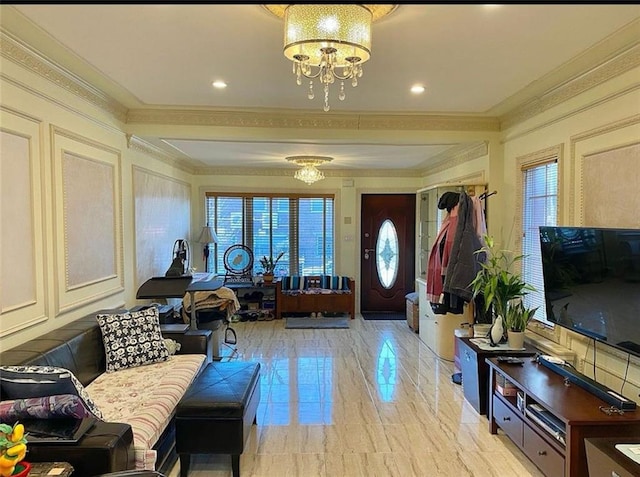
(594, 387)
(550, 420)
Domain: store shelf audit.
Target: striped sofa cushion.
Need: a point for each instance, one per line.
(294, 282)
(145, 397)
(335, 282)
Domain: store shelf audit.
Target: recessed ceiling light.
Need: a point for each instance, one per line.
(417, 89)
(219, 84)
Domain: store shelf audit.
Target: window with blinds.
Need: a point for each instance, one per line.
(301, 226)
(539, 207)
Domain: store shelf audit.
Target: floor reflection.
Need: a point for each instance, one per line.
(386, 371)
(300, 391)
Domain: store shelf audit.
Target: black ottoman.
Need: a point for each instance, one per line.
(216, 413)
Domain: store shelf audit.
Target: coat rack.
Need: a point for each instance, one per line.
(487, 194)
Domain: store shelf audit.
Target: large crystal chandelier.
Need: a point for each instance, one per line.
(328, 42)
(309, 173)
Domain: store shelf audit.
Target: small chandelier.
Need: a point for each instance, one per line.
(328, 42)
(309, 173)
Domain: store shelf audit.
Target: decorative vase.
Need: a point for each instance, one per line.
(515, 339)
(496, 333)
(22, 469)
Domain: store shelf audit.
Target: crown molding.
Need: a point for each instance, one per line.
(556, 95)
(137, 144)
(614, 56)
(305, 120)
(456, 156)
(236, 118)
(13, 49)
(273, 172)
(431, 122)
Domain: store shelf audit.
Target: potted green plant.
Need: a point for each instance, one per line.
(516, 321)
(269, 266)
(497, 281)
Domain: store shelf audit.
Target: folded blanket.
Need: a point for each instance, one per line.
(223, 299)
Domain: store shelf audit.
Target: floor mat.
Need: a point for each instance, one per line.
(320, 323)
(383, 315)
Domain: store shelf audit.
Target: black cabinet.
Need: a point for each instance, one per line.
(475, 371)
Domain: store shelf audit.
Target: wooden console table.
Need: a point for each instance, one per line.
(578, 410)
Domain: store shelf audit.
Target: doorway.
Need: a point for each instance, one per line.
(387, 261)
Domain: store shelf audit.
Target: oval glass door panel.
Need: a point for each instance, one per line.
(387, 256)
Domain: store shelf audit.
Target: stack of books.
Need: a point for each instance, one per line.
(505, 387)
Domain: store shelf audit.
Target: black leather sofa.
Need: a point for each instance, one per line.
(108, 446)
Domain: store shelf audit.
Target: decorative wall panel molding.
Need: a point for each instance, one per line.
(22, 207)
(162, 215)
(89, 256)
(606, 138)
(610, 187)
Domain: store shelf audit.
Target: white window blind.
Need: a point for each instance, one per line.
(539, 207)
(301, 226)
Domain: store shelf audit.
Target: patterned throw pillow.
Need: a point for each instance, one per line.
(132, 339)
(22, 382)
(64, 405)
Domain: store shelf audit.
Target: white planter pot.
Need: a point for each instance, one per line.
(516, 339)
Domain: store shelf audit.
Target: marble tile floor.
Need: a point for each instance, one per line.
(371, 400)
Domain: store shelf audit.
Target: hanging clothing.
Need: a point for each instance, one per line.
(464, 263)
(480, 219)
(439, 256)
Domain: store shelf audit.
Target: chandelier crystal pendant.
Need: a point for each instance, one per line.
(327, 42)
(309, 173)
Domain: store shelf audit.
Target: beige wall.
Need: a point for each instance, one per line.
(605, 118)
(347, 191)
(67, 236)
(40, 291)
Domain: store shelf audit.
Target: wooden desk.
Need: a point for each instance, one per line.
(578, 409)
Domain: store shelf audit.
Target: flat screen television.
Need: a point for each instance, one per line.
(592, 282)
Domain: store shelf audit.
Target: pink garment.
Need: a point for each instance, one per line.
(437, 265)
(480, 220)
(448, 244)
